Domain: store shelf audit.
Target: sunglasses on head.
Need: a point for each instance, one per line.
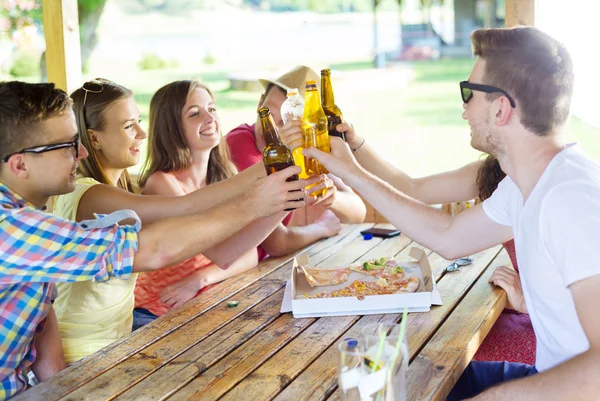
(467, 88)
(93, 86)
(47, 148)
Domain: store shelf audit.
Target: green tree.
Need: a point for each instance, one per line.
(19, 13)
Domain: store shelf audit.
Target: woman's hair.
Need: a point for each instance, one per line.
(89, 104)
(488, 177)
(168, 150)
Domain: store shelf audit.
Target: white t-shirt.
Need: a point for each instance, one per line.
(556, 239)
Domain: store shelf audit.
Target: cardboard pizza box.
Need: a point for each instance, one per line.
(297, 289)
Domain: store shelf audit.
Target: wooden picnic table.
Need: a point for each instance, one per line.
(207, 350)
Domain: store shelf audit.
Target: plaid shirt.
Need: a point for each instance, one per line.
(36, 250)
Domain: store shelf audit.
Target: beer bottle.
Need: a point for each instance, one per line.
(333, 113)
(276, 155)
(293, 109)
(314, 129)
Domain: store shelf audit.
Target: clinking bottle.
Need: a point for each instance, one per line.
(276, 155)
(293, 109)
(333, 113)
(314, 128)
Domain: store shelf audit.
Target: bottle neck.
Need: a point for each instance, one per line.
(327, 98)
(311, 98)
(269, 131)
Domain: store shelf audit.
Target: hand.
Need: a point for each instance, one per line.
(326, 200)
(180, 292)
(509, 281)
(273, 194)
(330, 222)
(291, 134)
(352, 138)
(340, 161)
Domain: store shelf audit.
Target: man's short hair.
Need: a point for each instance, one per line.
(531, 66)
(22, 107)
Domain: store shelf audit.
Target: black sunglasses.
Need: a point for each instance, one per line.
(47, 148)
(467, 88)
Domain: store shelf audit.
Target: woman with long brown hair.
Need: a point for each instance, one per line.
(186, 152)
(93, 315)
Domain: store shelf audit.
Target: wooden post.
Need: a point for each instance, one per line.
(520, 12)
(63, 51)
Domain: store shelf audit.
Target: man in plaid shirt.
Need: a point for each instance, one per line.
(39, 151)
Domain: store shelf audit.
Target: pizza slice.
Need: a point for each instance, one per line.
(360, 288)
(381, 267)
(321, 277)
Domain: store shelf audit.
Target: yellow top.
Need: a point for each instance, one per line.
(90, 315)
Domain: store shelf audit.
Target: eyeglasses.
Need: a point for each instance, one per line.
(93, 87)
(47, 148)
(467, 88)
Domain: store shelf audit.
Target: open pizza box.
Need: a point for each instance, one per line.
(295, 298)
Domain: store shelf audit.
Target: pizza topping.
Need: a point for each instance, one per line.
(369, 266)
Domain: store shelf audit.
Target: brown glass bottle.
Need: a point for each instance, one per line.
(276, 155)
(333, 113)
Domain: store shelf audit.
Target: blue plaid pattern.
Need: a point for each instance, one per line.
(37, 249)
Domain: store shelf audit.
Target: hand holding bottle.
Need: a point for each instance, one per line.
(291, 134)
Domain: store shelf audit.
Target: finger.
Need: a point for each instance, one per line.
(504, 275)
(297, 185)
(294, 143)
(294, 204)
(343, 127)
(292, 123)
(295, 195)
(286, 172)
(310, 188)
(317, 154)
(315, 179)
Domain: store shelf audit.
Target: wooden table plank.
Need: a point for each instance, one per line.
(86, 370)
(438, 366)
(231, 370)
(144, 363)
(296, 356)
(277, 372)
(111, 386)
(452, 287)
(420, 326)
(206, 353)
(320, 379)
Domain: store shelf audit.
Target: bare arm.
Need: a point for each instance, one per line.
(48, 345)
(348, 206)
(106, 199)
(284, 240)
(225, 253)
(451, 186)
(449, 236)
(180, 292)
(576, 379)
(170, 241)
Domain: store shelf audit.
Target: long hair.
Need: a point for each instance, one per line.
(488, 177)
(91, 116)
(168, 150)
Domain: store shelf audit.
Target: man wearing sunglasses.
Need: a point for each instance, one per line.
(40, 151)
(517, 102)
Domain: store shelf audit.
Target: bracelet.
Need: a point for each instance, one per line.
(359, 146)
